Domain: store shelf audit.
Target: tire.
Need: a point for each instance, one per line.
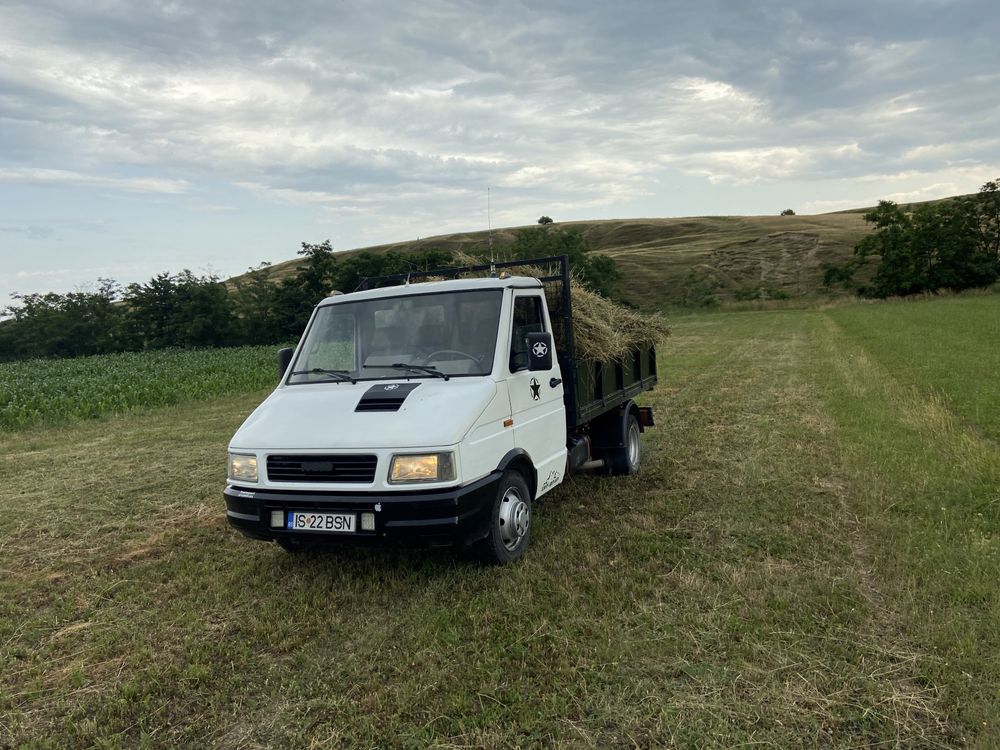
(626, 459)
(510, 522)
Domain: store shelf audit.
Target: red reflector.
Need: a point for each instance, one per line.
(646, 416)
(508, 423)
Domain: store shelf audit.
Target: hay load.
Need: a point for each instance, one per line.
(603, 330)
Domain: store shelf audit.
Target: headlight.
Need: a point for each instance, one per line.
(429, 467)
(242, 468)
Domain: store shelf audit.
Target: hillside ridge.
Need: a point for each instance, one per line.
(690, 259)
(684, 260)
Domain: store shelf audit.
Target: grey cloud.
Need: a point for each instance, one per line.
(579, 102)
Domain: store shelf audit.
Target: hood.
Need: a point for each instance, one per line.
(322, 416)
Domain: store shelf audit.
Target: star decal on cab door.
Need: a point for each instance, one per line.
(534, 390)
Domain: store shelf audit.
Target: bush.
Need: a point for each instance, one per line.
(953, 244)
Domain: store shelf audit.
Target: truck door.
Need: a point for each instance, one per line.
(536, 398)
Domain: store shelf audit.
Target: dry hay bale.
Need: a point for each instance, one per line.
(606, 331)
(602, 329)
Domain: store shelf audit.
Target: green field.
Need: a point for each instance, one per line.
(52, 391)
(809, 557)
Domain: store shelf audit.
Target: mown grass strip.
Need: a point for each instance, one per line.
(929, 480)
(949, 349)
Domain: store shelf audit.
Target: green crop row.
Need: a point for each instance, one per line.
(53, 391)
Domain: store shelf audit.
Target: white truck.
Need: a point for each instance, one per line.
(435, 413)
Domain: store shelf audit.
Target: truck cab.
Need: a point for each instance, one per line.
(433, 412)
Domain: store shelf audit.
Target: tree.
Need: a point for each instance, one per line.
(64, 325)
(322, 273)
(296, 296)
(951, 244)
(545, 220)
(945, 238)
(898, 272)
(255, 307)
(989, 217)
(366, 264)
(840, 274)
(788, 212)
(598, 272)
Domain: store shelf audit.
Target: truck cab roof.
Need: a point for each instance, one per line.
(436, 287)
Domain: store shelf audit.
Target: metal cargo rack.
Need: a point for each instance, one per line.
(593, 388)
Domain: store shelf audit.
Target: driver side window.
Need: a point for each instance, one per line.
(528, 318)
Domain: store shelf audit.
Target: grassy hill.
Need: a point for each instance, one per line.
(669, 261)
(693, 259)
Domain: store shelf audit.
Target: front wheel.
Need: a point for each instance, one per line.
(510, 522)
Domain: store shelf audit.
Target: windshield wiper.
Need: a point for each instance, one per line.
(338, 375)
(413, 368)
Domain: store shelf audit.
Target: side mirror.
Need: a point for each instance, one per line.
(284, 359)
(539, 351)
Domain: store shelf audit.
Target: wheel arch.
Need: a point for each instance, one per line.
(519, 460)
(609, 429)
(631, 407)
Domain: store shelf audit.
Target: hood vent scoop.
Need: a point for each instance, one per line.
(385, 396)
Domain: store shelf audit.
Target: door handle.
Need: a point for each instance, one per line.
(553, 382)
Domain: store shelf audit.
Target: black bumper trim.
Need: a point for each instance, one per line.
(457, 515)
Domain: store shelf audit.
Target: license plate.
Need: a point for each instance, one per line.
(332, 523)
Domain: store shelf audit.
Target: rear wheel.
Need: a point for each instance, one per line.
(510, 522)
(626, 459)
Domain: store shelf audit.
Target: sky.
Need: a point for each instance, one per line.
(140, 138)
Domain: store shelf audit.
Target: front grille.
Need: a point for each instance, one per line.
(312, 468)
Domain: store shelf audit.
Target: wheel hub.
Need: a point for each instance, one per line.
(515, 519)
(633, 446)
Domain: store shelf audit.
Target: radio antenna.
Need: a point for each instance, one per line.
(489, 233)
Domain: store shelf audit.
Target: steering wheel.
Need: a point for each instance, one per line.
(434, 355)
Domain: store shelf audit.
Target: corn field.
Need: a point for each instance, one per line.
(53, 391)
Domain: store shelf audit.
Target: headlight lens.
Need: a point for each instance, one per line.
(242, 468)
(427, 467)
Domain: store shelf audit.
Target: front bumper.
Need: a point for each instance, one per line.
(459, 515)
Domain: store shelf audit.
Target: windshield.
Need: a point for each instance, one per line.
(418, 336)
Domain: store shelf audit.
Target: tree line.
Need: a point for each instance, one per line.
(949, 245)
(187, 310)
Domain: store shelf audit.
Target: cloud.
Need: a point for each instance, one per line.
(771, 164)
(65, 177)
(397, 117)
(31, 231)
